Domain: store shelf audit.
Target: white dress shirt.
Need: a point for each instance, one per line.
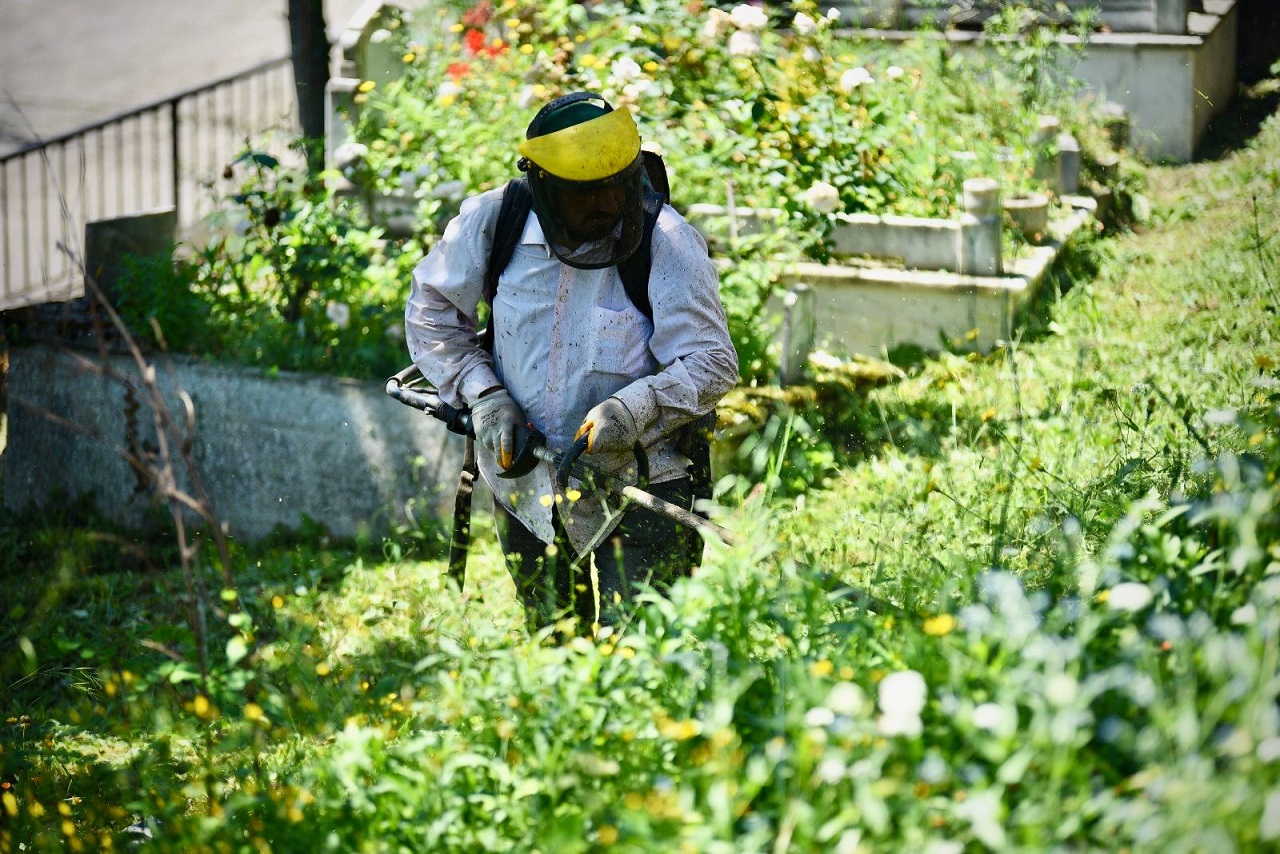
(566, 339)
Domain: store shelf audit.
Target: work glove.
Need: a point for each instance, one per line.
(610, 428)
(494, 419)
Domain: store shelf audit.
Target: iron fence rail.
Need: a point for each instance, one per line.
(165, 154)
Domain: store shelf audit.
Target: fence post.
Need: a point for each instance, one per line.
(174, 136)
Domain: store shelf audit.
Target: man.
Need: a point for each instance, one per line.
(573, 356)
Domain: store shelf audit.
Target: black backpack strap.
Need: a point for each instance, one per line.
(517, 201)
(634, 269)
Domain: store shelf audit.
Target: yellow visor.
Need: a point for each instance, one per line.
(590, 151)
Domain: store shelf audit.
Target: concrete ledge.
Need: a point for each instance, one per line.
(271, 449)
(869, 309)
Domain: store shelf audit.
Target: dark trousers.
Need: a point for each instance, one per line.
(645, 549)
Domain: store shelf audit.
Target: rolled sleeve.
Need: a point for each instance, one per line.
(690, 337)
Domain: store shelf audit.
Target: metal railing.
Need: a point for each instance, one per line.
(166, 154)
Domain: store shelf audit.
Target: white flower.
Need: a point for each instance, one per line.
(819, 716)
(833, 14)
(983, 810)
(903, 691)
(717, 24)
(1245, 615)
(908, 725)
(846, 698)
(989, 716)
(804, 25)
(1270, 826)
(339, 313)
(812, 54)
(379, 36)
(831, 770)
(348, 153)
(624, 70)
(894, 72)
(853, 78)
(447, 89)
(1061, 689)
(822, 197)
(1129, 596)
(743, 43)
(1268, 749)
(749, 18)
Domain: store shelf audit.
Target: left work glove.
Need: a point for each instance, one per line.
(610, 428)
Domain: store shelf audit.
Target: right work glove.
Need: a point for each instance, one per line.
(494, 418)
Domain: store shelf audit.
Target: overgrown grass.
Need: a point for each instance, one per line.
(1078, 531)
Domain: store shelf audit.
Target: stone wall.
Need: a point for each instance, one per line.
(271, 450)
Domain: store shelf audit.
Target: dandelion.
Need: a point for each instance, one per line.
(743, 43)
(749, 18)
(853, 78)
(339, 313)
(822, 197)
(366, 87)
(943, 624)
(1129, 596)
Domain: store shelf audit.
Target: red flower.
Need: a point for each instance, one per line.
(458, 70)
(478, 15)
(474, 41)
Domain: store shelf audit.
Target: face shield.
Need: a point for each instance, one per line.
(584, 167)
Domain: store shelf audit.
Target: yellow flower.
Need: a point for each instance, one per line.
(201, 706)
(10, 804)
(277, 602)
(253, 712)
(323, 669)
(526, 49)
(680, 730)
(366, 86)
(943, 624)
(456, 28)
(446, 100)
(608, 834)
(408, 57)
(822, 667)
(988, 414)
(650, 66)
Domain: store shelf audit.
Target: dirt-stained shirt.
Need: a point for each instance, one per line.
(566, 339)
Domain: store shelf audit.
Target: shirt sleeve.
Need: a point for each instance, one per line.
(690, 335)
(440, 316)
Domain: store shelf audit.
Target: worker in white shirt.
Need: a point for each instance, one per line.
(573, 356)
